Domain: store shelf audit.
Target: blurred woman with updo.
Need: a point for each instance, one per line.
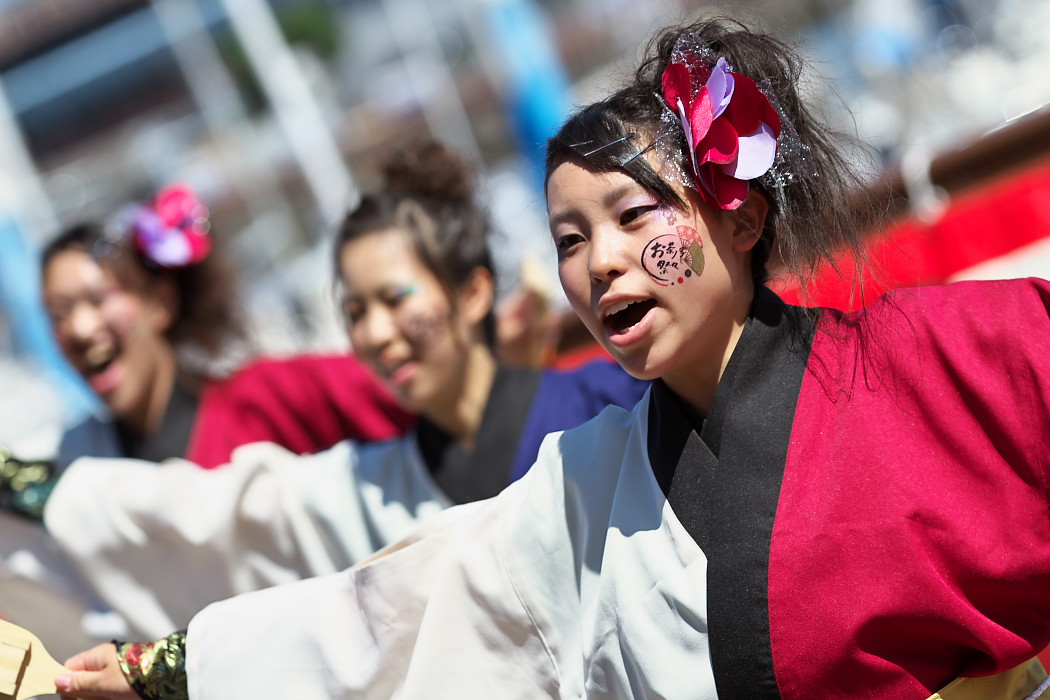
(417, 286)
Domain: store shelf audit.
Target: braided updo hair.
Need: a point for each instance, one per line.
(429, 192)
(811, 218)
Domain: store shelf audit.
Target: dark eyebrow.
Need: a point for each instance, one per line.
(612, 196)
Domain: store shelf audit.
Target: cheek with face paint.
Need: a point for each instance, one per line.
(669, 214)
(692, 249)
(673, 258)
(422, 328)
(124, 314)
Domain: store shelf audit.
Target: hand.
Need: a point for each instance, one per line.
(95, 674)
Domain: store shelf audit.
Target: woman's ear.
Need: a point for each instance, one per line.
(477, 295)
(749, 220)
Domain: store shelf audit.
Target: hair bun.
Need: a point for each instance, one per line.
(429, 170)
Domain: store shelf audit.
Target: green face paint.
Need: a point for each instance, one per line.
(693, 248)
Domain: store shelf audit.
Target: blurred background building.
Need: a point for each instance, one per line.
(275, 111)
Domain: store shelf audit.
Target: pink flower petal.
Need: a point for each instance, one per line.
(748, 105)
(676, 84)
(171, 251)
(755, 155)
(175, 203)
(687, 130)
(707, 185)
(700, 115)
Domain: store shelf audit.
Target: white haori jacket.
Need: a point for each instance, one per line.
(575, 581)
(158, 543)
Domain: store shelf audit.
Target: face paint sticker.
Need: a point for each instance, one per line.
(692, 248)
(670, 216)
(673, 258)
(421, 329)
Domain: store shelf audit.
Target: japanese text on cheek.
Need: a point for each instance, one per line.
(672, 258)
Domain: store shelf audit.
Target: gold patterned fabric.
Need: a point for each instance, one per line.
(156, 670)
(25, 486)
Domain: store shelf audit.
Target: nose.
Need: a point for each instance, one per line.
(83, 322)
(608, 255)
(374, 330)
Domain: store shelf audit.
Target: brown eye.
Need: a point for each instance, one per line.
(634, 213)
(569, 241)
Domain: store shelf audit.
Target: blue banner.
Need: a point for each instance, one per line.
(538, 89)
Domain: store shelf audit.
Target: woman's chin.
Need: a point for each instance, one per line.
(408, 397)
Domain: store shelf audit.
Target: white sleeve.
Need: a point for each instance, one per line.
(159, 542)
(437, 618)
(570, 583)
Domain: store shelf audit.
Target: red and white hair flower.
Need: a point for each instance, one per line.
(172, 231)
(731, 128)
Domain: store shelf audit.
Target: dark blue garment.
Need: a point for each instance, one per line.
(524, 405)
(568, 398)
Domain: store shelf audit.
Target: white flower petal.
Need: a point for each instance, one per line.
(755, 155)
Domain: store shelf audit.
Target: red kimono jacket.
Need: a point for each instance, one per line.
(871, 490)
(306, 403)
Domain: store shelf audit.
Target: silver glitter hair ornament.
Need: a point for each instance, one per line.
(720, 130)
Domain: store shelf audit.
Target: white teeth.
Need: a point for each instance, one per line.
(618, 308)
(98, 356)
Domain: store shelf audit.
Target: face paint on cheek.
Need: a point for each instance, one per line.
(667, 260)
(692, 249)
(422, 329)
(669, 214)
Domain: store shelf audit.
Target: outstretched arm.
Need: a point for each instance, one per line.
(159, 542)
(129, 671)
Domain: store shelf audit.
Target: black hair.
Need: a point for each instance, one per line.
(810, 221)
(428, 191)
(206, 318)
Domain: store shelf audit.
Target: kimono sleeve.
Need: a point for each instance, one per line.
(305, 403)
(436, 617)
(159, 542)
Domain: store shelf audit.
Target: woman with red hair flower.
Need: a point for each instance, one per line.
(140, 309)
(144, 309)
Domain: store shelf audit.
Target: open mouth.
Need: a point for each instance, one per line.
(101, 369)
(98, 358)
(624, 319)
(395, 371)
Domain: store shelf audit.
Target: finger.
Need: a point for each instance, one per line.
(90, 660)
(79, 684)
(77, 663)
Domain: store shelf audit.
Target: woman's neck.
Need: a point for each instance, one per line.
(461, 417)
(697, 383)
(148, 420)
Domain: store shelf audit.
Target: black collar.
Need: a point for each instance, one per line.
(172, 436)
(484, 472)
(721, 476)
